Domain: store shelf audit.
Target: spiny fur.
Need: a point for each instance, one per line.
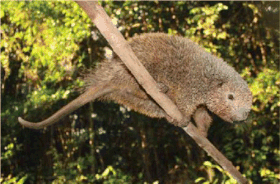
(195, 80)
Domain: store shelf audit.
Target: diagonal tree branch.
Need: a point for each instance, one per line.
(124, 51)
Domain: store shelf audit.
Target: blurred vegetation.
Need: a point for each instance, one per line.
(46, 46)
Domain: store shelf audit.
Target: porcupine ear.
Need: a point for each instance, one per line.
(220, 83)
(212, 75)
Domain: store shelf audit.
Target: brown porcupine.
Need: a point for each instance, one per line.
(194, 79)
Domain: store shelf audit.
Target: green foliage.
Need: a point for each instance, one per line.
(265, 90)
(14, 180)
(204, 19)
(211, 168)
(47, 45)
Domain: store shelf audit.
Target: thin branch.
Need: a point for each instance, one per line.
(124, 51)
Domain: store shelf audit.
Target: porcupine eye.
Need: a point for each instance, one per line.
(230, 96)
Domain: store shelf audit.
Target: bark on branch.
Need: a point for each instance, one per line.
(124, 51)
